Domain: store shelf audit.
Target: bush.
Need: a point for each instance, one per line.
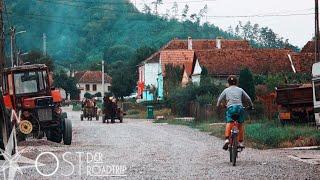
(205, 99)
(98, 94)
(180, 98)
(87, 95)
(133, 112)
(76, 107)
(246, 83)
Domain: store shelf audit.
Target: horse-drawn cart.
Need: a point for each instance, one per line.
(89, 110)
(111, 111)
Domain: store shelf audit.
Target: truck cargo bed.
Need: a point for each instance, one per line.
(295, 95)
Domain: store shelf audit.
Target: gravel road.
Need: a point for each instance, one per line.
(140, 149)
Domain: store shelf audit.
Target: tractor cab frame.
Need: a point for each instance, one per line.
(27, 90)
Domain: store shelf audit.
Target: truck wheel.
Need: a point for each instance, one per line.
(67, 132)
(81, 117)
(54, 135)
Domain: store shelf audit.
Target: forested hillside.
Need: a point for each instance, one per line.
(86, 31)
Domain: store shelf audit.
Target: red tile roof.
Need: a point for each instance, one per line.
(154, 58)
(305, 61)
(92, 77)
(202, 44)
(78, 75)
(231, 61)
(198, 44)
(182, 58)
(233, 55)
(309, 47)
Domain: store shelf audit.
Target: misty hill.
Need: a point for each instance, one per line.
(87, 31)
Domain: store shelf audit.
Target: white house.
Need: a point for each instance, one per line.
(148, 74)
(91, 82)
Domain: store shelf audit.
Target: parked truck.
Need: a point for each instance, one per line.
(300, 103)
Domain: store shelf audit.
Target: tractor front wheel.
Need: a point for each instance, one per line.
(67, 132)
(54, 135)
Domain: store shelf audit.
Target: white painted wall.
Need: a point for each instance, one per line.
(196, 75)
(99, 89)
(196, 79)
(151, 74)
(63, 93)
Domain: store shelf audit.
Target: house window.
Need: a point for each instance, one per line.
(87, 87)
(94, 87)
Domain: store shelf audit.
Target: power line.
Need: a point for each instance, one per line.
(87, 20)
(108, 2)
(263, 15)
(47, 20)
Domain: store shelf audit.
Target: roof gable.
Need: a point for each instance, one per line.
(309, 47)
(94, 77)
(183, 58)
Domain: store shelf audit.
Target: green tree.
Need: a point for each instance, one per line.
(61, 80)
(246, 82)
(118, 53)
(172, 78)
(87, 95)
(185, 12)
(36, 57)
(123, 83)
(142, 54)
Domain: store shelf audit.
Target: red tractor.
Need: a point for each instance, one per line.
(27, 90)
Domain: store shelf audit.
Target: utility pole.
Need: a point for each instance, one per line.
(2, 39)
(18, 57)
(44, 39)
(12, 37)
(316, 30)
(103, 88)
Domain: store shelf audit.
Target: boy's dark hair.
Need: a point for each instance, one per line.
(232, 80)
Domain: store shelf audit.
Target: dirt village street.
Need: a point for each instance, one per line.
(142, 149)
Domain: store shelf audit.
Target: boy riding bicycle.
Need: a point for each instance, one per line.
(233, 96)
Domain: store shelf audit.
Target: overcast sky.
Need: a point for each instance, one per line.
(298, 29)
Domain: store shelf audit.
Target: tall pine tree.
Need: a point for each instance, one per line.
(246, 83)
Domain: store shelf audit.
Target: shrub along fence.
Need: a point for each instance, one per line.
(204, 112)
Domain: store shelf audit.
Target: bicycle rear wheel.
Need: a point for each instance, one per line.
(234, 150)
(230, 153)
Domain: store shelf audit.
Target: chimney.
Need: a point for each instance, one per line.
(218, 43)
(189, 43)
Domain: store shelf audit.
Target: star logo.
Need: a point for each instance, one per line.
(11, 162)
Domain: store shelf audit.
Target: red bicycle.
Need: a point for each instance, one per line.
(234, 148)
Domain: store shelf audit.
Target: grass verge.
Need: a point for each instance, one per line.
(262, 135)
